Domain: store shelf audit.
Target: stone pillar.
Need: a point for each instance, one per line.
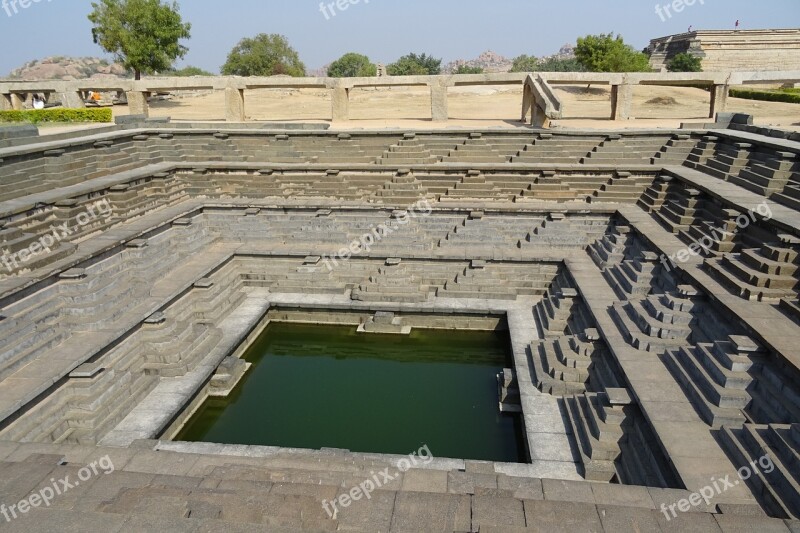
(234, 104)
(72, 100)
(621, 101)
(614, 101)
(719, 99)
(527, 102)
(5, 102)
(18, 101)
(137, 103)
(340, 104)
(439, 111)
(539, 118)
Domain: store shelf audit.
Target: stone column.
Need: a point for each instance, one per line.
(137, 103)
(5, 102)
(621, 101)
(18, 101)
(234, 104)
(72, 100)
(340, 104)
(439, 111)
(527, 102)
(719, 99)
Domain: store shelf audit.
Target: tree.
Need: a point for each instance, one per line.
(606, 53)
(525, 63)
(352, 65)
(415, 65)
(685, 63)
(143, 35)
(466, 69)
(264, 55)
(556, 64)
(189, 71)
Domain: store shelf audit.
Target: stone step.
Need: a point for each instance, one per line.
(737, 265)
(732, 281)
(597, 457)
(712, 414)
(549, 375)
(781, 268)
(633, 335)
(777, 500)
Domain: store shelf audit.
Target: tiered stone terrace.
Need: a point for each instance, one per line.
(640, 377)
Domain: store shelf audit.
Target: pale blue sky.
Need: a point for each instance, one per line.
(387, 29)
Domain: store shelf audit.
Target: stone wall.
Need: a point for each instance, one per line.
(751, 50)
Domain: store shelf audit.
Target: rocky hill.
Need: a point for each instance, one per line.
(566, 52)
(68, 68)
(492, 62)
(488, 61)
(320, 72)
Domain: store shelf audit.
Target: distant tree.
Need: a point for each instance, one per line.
(525, 63)
(415, 65)
(466, 69)
(143, 35)
(685, 63)
(607, 53)
(556, 64)
(264, 55)
(189, 71)
(352, 65)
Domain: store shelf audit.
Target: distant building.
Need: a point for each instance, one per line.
(750, 50)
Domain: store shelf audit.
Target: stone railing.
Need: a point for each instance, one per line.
(13, 94)
(622, 85)
(73, 93)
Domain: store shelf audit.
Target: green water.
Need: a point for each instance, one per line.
(327, 386)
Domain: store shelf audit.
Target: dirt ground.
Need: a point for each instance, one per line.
(470, 107)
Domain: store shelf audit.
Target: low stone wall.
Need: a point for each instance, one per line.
(73, 93)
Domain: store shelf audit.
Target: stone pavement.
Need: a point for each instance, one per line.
(213, 488)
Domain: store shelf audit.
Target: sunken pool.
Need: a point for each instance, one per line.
(314, 386)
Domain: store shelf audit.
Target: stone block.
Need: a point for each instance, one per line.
(545, 516)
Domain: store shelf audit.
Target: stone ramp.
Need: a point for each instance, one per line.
(235, 488)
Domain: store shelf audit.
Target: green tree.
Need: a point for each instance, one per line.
(607, 53)
(556, 64)
(685, 63)
(264, 55)
(525, 63)
(352, 65)
(466, 69)
(143, 35)
(415, 65)
(189, 71)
